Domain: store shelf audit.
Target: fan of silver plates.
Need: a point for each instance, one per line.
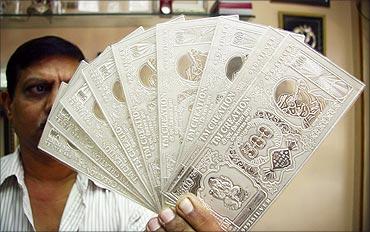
(222, 108)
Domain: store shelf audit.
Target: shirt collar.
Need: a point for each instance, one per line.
(11, 165)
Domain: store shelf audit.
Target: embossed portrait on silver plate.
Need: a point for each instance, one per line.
(97, 111)
(295, 99)
(234, 65)
(190, 66)
(117, 91)
(148, 73)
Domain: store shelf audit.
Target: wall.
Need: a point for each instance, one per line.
(90, 40)
(321, 196)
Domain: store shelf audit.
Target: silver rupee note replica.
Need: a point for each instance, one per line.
(280, 120)
(83, 108)
(54, 142)
(136, 64)
(230, 54)
(182, 50)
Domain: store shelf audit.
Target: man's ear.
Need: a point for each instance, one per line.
(6, 102)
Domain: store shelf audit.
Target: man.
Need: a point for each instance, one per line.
(39, 193)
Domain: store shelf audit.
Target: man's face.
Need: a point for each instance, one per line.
(34, 95)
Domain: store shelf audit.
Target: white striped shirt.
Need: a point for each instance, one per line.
(90, 207)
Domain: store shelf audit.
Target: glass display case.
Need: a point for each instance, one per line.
(89, 13)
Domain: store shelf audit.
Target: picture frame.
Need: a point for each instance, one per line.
(323, 3)
(312, 26)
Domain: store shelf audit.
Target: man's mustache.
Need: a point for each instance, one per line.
(42, 124)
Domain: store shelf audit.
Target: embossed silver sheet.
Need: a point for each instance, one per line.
(54, 142)
(257, 58)
(67, 126)
(276, 125)
(182, 51)
(103, 81)
(232, 43)
(83, 108)
(231, 46)
(136, 62)
(276, 100)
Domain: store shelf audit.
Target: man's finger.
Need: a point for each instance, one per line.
(153, 225)
(192, 210)
(172, 222)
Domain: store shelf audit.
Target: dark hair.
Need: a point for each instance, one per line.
(34, 51)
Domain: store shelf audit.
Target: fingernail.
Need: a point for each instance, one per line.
(154, 224)
(186, 206)
(167, 215)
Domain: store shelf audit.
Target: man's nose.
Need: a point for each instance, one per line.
(51, 98)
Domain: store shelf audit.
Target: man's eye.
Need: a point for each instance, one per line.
(38, 89)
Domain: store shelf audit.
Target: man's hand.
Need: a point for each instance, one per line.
(189, 215)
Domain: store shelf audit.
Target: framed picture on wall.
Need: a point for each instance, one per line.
(325, 3)
(310, 25)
